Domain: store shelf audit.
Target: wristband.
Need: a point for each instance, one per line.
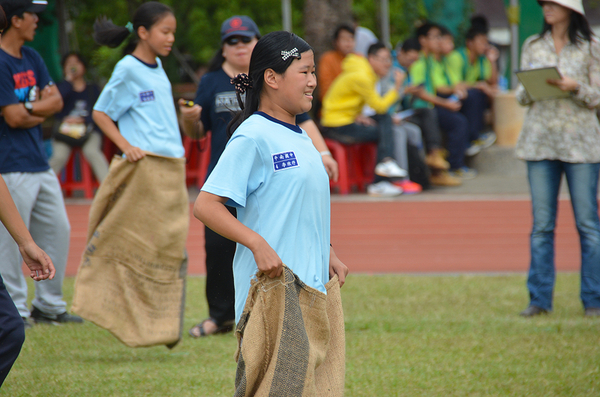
(325, 153)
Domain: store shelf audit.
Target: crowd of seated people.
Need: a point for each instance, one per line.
(425, 97)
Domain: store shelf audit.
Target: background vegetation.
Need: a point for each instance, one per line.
(198, 31)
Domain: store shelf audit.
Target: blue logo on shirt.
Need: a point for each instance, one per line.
(147, 96)
(283, 161)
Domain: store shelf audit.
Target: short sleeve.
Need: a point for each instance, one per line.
(417, 72)
(238, 173)
(205, 98)
(42, 75)
(116, 97)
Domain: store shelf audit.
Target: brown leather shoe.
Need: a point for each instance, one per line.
(436, 160)
(592, 312)
(443, 178)
(532, 311)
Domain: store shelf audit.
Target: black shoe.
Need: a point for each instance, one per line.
(26, 323)
(40, 317)
(592, 312)
(532, 311)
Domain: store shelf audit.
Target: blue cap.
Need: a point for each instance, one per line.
(239, 25)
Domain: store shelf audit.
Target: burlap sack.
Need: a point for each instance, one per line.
(291, 340)
(132, 276)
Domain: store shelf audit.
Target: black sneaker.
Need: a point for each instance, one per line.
(44, 318)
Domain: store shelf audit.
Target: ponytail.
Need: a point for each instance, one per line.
(276, 51)
(108, 34)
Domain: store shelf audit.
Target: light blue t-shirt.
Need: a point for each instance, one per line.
(139, 98)
(272, 173)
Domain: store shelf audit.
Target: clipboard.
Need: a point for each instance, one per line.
(534, 82)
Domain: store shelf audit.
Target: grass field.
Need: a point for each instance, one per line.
(406, 336)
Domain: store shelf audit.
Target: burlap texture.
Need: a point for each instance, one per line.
(132, 275)
(291, 340)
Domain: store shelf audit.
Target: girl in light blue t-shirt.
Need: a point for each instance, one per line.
(272, 173)
(138, 95)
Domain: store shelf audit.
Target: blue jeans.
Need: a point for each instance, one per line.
(544, 181)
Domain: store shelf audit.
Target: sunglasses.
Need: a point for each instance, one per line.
(236, 39)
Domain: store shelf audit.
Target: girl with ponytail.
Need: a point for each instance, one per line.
(137, 112)
(138, 95)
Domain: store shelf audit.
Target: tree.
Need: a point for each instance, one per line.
(320, 19)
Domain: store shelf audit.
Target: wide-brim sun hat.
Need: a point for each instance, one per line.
(575, 5)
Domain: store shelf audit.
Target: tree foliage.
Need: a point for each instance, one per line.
(198, 29)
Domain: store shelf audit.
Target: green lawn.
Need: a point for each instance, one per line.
(406, 336)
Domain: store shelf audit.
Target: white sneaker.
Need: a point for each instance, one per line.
(474, 149)
(390, 169)
(383, 189)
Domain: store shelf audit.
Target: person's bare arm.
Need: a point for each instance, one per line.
(190, 119)
(35, 258)
(105, 123)
(16, 116)
(50, 102)
(210, 209)
(331, 166)
(437, 101)
(337, 267)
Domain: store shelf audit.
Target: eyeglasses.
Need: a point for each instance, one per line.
(233, 40)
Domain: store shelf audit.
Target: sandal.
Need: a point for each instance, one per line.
(197, 331)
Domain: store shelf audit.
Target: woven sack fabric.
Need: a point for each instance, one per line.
(131, 280)
(290, 339)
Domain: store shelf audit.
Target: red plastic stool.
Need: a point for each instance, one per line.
(85, 181)
(356, 164)
(109, 148)
(197, 153)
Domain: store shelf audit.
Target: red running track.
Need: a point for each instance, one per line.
(394, 237)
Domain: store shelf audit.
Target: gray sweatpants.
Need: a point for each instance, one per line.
(403, 134)
(39, 199)
(91, 150)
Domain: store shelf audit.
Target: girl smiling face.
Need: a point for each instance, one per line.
(296, 85)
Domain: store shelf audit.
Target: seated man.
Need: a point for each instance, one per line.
(425, 117)
(475, 68)
(438, 91)
(341, 118)
(330, 63)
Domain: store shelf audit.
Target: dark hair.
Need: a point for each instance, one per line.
(3, 20)
(341, 27)
(411, 44)
(445, 31)
(73, 54)
(267, 54)
(216, 61)
(373, 48)
(424, 29)
(480, 23)
(579, 28)
(108, 34)
(474, 32)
